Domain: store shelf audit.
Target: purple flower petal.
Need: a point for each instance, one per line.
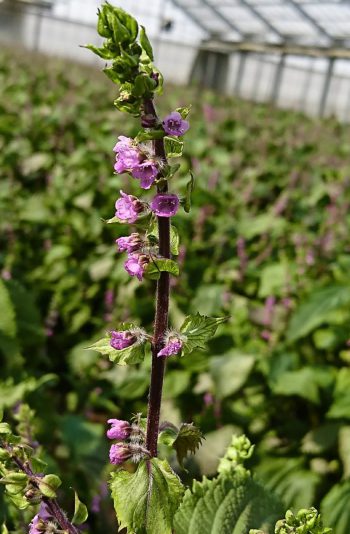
(128, 207)
(119, 453)
(121, 340)
(146, 172)
(171, 348)
(119, 429)
(135, 265)
(165, 204)
(174, 124)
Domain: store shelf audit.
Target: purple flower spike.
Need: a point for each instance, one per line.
(165, 205)
(135, 265)
(146, 172)
(128, 207)
(174, 124)
(128, 155)
(174, 346)
(121, 340)
(119, 453)
(130, 243)
(119, 429)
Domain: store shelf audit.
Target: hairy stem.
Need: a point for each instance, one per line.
(162, 304)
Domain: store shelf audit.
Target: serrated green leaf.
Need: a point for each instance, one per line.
(80, 511)
(145, 43)
(146, 501)
(199, 329)
(128, 356)
(173, 147)
(232, 503)
(158, 265)
(49, 484)
(335, 508)
(187, 440)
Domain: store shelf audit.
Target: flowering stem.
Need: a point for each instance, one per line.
(51, 504)
(162, 305)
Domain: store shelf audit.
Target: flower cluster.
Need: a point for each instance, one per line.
(131, 442)
(139, 160)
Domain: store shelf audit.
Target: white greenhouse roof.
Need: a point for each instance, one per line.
(307, 22)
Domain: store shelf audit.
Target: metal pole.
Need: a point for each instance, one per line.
(258, 76)
(326, 86)
(37, 30)
(242, 58)
(277, 79)
(306, 86)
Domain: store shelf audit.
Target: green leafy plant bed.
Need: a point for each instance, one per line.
(265, 245)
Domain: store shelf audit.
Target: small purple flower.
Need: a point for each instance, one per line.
(146, 172)
(119, 429)
(119, 453)
(130, 243)
(128, 156)
(121, 340)
(174, 346)
(165, 204)
(135, 265)
(174, 124)
(128, 207)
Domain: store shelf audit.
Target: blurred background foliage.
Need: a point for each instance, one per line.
(266, 243)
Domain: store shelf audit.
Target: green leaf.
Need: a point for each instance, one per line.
(128, 356)
(189, 191)
(146, 501)
(174, 237)
(7, 315)
(314, 311)
(15, 478)
(198, 329)
(80, 511)
(5, 428)
(173, 147)
(340, 406)
(184, 112)
(4, 529)
(49, 484)
(306, 521)
(158, 265)
(146, 45)
(149, 135)
(335, 508)
(184, 440)
(344, 449)
(232, 503)
(104, 53)
(230, 372)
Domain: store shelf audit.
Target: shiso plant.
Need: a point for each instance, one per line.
(148, 494)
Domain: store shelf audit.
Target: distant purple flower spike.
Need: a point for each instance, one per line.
(119, 429)
(122, 340)
(119, 453)
(174, 124)
(128, 207)
(135, 265)
(174, 346)
(146, 172)
(129, 243)
(165, 204)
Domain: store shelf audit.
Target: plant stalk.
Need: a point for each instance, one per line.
(162, 305)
